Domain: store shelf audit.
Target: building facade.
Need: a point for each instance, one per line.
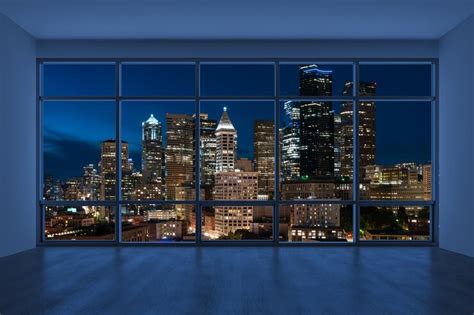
(152, 156)
(179, 152)
(264, 154)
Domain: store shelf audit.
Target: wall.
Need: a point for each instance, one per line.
(238, 48)
(17, 83)
(18, 128)
(456, 139)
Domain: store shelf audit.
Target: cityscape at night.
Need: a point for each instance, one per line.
(237, 151)
(237, 157)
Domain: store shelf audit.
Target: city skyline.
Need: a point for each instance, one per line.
(64, 145)
(73, 130)
(237, 152)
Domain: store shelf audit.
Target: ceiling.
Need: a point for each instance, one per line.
(238, 19)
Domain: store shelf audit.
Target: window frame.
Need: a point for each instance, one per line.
(356, 202)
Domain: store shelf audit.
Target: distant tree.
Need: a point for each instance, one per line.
(345, 215)
(424, 213)
(402, 218)
(373, 218)
(240, 234)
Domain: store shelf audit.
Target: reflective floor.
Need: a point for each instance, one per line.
(236, 280)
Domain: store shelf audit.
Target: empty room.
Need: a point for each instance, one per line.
(237, 157)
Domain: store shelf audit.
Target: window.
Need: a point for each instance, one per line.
(259, 151)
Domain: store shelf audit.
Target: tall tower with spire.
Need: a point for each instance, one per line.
(226, 144)
(152, 150)
(231, 183)
(152, 157)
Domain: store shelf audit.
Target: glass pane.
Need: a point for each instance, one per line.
(237, 150)
(397, 223)
(237, 79)
(316, 223)
(316, 79)
(237, 223)
(316, 150)
(395, 150)
(147, 79)
(95, 223)
(79, 150)
(78, 79)
(160, 156)
(395, 80)
(158, 223)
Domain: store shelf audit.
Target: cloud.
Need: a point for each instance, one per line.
(65, 155)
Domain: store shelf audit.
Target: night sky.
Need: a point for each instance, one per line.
(73, 130)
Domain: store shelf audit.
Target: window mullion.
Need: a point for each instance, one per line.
(118, 156)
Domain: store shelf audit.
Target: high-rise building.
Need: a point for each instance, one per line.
(108, 167)
(290, 142)
(316, 140)
(314, 81)
(152, 155)
(226, 144)
(316, 124)
(57, 191)
(234, 185)
(127, 181)
(264, 154)
(90, 183)
(427, 184)
(366, 130)
(48, 186)
(231, 184)
(179, 152)
(72, 191)
(207, 149)
(338, 145)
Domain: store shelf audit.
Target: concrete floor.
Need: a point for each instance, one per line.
(236, 280)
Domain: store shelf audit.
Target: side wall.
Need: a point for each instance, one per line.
(456, 139)
(18, 130)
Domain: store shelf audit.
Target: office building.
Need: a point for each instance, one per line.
(179, 152)
(108, 168)
(264, 155)
(152, 156)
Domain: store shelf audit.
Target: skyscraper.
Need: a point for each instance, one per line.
(207, 149)
(90, 183)
(264, 154)
(316, 124)
(108, 167)
(152, 155)
(338, 145)
(366, 130)
(226, 144)
(231, 184)
(314, 81)
(317, 140)
(179, 152)
(290, 142)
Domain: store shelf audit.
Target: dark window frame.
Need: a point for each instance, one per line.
(356, 202)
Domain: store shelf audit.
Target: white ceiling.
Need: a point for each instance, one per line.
(237, 19)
